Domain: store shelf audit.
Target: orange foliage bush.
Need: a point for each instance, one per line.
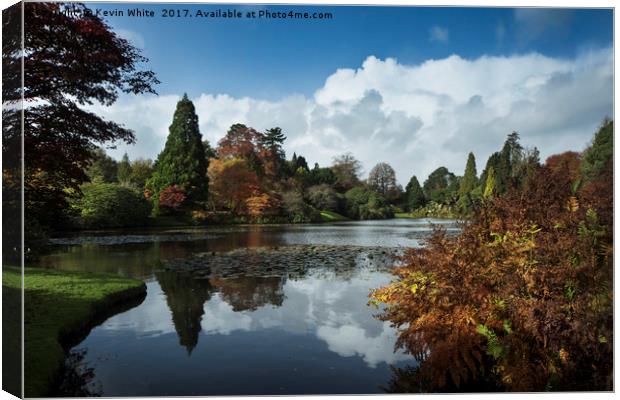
(231, 183)
(261, 204)
(522, 298)
(172, 198)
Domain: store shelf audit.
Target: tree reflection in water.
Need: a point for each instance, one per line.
(78, 380)
(249, 280)
(185, 296)
(250, 293)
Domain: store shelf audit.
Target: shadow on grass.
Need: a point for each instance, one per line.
(60, 311)
(11, 340)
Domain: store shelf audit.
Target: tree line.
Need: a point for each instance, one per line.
(248, 178)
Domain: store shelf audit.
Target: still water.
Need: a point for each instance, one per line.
(279, 333)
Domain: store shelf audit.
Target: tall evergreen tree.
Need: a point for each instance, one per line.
(504, 163)
(124, 170)
(489, 186)
(271, 142)
(182, 162)
(597, 155)
(298, 162)
(103, 169)
(209, 151)
(470, 179)
(415, 194)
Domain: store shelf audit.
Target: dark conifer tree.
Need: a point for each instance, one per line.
(182, 162)
(415, 194)
(272, 141)
(470, 179)
(124, 170)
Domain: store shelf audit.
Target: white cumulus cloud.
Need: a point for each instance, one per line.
(415, 117)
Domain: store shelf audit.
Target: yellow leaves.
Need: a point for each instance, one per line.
(470, 320)
(379, 296)
(507, 379)
(563, 355)
(572, 204)
(499, 303)
(507, 326)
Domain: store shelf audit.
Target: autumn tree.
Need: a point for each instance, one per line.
(414, 194)
(182, 162)
(522, 299)
(232, 183)
(261, 204)
(172, 198)
(382, 178)
(347, 170)
(569, 161)
(242, 142)
(523, 171)
(69, 60)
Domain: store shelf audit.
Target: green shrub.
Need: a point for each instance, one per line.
(297, 210)
(107, 205)
(323, 197)
(435, 210)
(363, 203)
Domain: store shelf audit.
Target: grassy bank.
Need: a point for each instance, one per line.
(60, 310)
(167, 221)
(329, 216)
(418, 216)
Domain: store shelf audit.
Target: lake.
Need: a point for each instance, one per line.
(244, 310)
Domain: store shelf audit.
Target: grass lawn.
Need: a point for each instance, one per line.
(60, 310)
(417, 216)
(329, 216)
(403, 215)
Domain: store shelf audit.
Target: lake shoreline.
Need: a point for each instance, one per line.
(64, 316)
(188, 225)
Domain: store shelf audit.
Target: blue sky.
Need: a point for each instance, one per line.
(271, 58)
(383, 82)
